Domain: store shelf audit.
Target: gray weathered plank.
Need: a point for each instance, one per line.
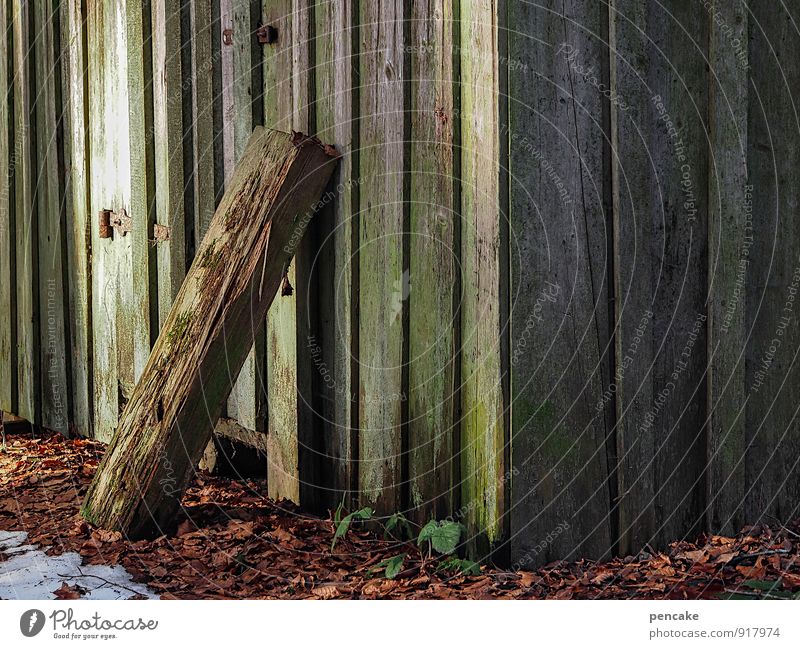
(51, 243)
(772, 487)
(78, 230)
(27, 326)
(7, 224)
(660, 244)
(247, 403)
(482, 438)
(333, 349)
(560, 286)
(730, 231)
(168, 148)
(382, 295)
(432, 286)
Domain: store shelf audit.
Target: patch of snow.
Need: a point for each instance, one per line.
(29, 573)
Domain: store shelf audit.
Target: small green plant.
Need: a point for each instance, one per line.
(343, 524)
(757, 589)
(442, 536)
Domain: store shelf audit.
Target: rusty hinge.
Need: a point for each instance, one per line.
(227, 36)
(110, 221)
(160, 233)
(267, 34)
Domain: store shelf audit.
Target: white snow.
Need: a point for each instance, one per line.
(29, 573)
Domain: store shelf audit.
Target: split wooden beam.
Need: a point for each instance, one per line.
(205, 339)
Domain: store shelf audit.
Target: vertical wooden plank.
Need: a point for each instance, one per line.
(773, 370)
(730, 232)
(140, 316)
(78, 230)
(333, 349)
(433, 262)
(288, 76)
(203, 116)
(113, 320)
(49, 204)
(168, 149)
(283, 455)
(660, 203)
(28, 374)
(247, 403)
(383, 281)
(482, 403)
(7, 274)
(560, 329)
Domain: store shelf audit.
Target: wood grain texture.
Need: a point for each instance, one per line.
(482, 402)
(660, 202)
(383, 278)
(49, 195)
(286, 75)
(168, 146)
(166, 425)
(773, 368)
(7, 222)
(139, 318)
(730, 232)
(433, 262)
(333, 349)
(247, 404)
(26, 233)
(78, 230)
(560, 283)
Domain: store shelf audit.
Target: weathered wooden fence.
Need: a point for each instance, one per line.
(551, 292)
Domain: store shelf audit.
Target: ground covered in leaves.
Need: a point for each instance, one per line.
(236, 543)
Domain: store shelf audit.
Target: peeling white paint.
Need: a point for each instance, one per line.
(29, 573)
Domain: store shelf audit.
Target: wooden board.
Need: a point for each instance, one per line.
(7, 224)
(482, 443)
(28, 368)
(433, 262)
(660, 262)
(285, 73)
(730, 229)
(78, 230)
(773, 368)
(168, 149)
(334, 349)
(51, 243)
(170, 418)
(247, 403)
(139, 317)
(561, 283)
(383, 275)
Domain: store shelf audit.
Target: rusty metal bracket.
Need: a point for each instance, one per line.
(267, 34)
(110, 221)
(160, 233)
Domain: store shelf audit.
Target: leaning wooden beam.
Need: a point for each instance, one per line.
(208, 332)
